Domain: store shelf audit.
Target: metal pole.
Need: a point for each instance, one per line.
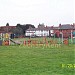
(1, 36)
(71, 37)
(54, 36)
(62, 38)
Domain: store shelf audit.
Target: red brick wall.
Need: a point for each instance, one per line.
(66, 33)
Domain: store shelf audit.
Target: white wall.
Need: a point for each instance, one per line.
(42, 33)
(39, 33)
(52, 32)
(30, 33)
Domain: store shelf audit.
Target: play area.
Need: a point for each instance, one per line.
(6, 40)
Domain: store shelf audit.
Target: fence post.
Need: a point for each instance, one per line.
(71, 37)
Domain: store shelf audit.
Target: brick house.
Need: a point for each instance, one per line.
(6, 29)
(65, 29)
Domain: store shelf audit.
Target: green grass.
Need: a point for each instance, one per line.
(21, 60)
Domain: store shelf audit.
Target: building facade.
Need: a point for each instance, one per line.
(65, 29)
(6, 29)
(40, 31)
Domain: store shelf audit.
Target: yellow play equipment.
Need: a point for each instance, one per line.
(4, 39)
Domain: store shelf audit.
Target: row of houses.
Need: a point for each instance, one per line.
(7, 29)
(43, 30)
(52, 31)
(40, 31)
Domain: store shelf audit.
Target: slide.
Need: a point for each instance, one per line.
(16, 42)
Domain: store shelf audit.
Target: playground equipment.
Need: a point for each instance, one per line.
(53, 40)
(15, 42)
(4, 39)
(0, 39)
(73, 33)
(68, 40)
(43, 42)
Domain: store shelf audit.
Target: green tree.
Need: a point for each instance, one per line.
(7, 24)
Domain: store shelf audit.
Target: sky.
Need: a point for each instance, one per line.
(49, 12)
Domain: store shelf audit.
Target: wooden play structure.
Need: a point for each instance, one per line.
(4, 39)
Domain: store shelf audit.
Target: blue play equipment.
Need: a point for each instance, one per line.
(0, 39)
(73, 33)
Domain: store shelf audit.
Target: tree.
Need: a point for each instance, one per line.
(25, 27)
(18, 31)
(7, 24)
(21, 29)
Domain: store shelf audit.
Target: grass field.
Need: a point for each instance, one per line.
(21, 60)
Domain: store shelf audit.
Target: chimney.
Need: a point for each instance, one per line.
(60, 25)
(74, 25)
(41, 26)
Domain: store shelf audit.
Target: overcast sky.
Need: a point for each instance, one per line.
(49, 12)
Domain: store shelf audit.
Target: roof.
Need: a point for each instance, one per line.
(8, 27)
(55, 28)
(66, 26)
(44, 28)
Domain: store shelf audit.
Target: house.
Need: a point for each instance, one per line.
(66, 29)
(6, 29)
(40, 31)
